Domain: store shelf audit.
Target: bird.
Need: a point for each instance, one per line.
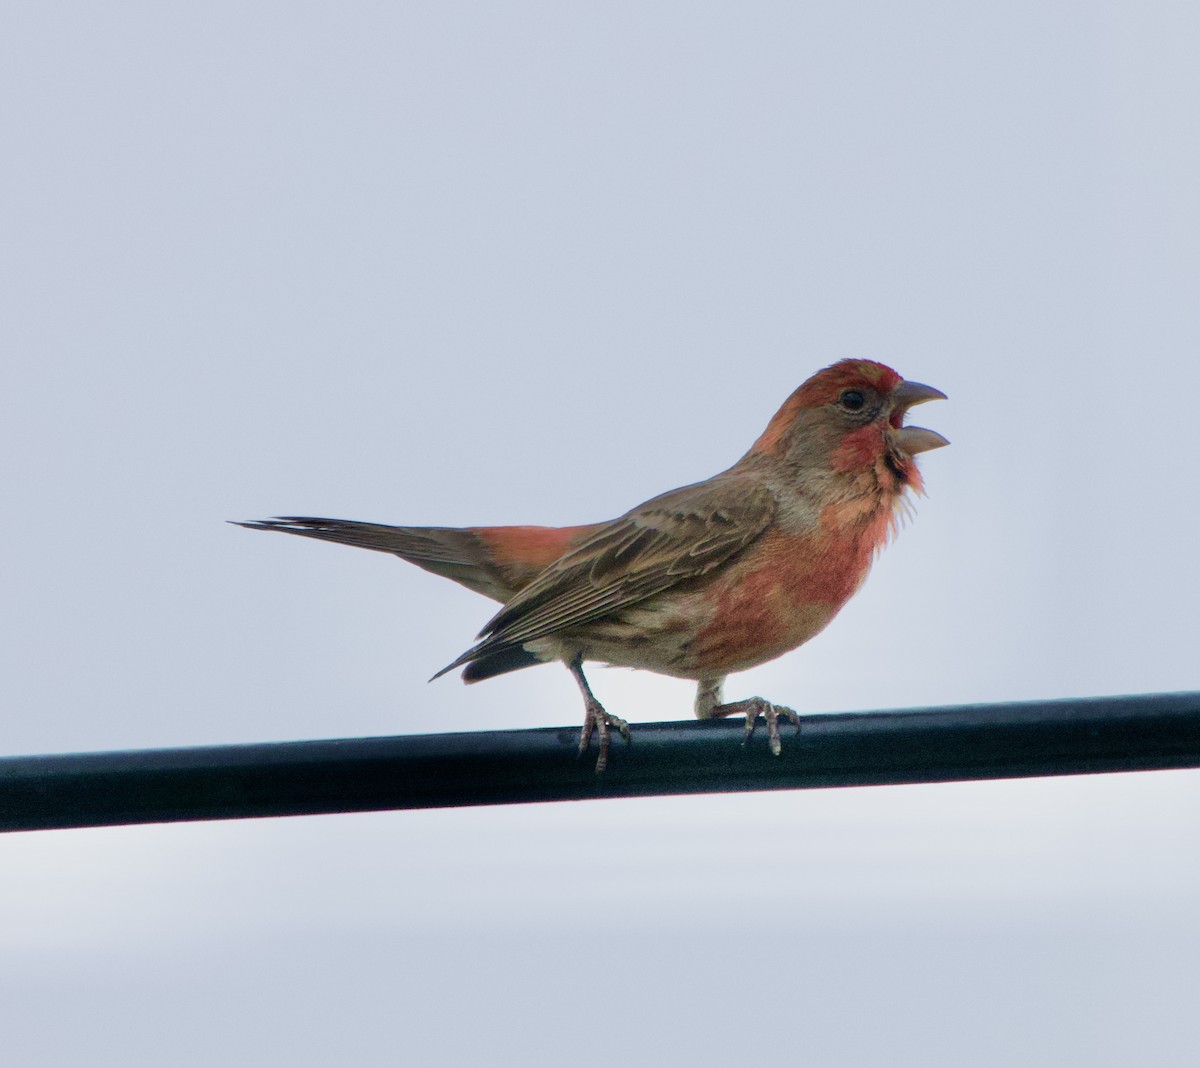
(702, 581)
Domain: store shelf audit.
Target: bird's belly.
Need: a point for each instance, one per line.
(653, 636)
(775, 597)
(681, 636)
(752, 634)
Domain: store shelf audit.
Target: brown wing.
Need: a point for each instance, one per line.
(680, 535)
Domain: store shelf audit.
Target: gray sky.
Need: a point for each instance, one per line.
(453, 264)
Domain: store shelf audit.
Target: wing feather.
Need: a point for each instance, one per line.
(678, 536)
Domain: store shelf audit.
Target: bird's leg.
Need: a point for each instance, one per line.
(752, 708)
(595, 718)
(708, 696)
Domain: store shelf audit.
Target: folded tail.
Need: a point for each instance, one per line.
(495, 561)
(456, 553)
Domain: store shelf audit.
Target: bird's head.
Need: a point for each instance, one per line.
(849, 419)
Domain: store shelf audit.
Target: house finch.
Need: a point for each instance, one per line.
(702, 581)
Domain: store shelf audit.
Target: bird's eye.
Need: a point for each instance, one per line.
(852, 400)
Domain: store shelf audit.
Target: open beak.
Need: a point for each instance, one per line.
(913, 439)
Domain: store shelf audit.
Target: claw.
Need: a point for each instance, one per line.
(601, 722)
(595, 719)
(752, 708)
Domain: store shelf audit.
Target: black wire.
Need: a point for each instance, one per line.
(995, 741)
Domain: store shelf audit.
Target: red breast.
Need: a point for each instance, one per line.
(783, 591)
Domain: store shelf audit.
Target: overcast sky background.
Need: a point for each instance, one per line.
(488, 263)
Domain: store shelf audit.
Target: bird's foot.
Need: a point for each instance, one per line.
(752, 708)
(602, 723)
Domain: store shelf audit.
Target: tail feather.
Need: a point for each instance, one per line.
(495, 561)
(453, 552)
(500, 664)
